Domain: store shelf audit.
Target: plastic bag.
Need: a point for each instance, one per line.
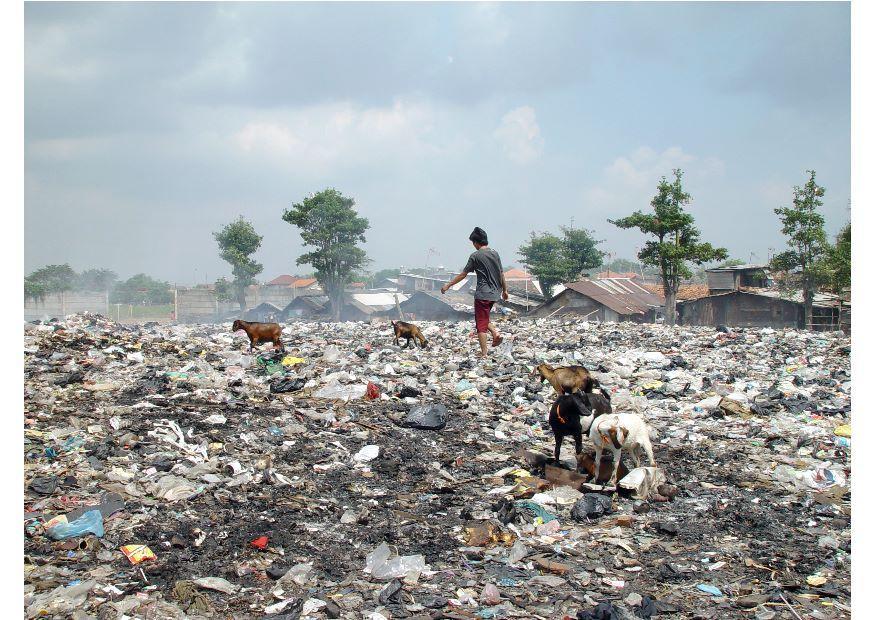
(89, 523)
(380, 566)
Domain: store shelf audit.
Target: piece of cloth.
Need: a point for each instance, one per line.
(481, 314)
(486, 263)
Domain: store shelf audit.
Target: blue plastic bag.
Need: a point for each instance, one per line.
(89, 523)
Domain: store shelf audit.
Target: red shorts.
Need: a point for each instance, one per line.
(481, 314)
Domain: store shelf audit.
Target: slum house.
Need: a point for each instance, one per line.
(306, 307)
(725, 279)
(521, 300)
(432, 306)
(519, 279)
(410, 283)
(764, 308)
(365, 306)
(608, 300)
(263, 313)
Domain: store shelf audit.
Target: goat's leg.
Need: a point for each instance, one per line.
(636, 455)
(617, 455)
(598, 461)
(649, 450)
(559, 438)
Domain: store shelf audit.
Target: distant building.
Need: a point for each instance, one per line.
(432, 306)
(263, 313)
(607, 300)
(724, 279)
(306, 307)
(411, 282)
(519, 279)
(765, 308)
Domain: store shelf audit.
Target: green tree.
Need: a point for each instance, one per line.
(141, 290)
(96, 280)
(580, 249)
(732, 262)
(50, 279)
(555, 260)
(545, 257)
(677, 239)
(237, 242)
(329, 222)
(840, 261)
(803, 261)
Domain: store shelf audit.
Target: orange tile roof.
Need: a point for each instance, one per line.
(685, 291)
(304, 282)
(517, 274)
(283, 280)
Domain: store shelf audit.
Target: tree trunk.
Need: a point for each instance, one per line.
(671, 307)
(241, 300)
(336, 297)
(808, 301)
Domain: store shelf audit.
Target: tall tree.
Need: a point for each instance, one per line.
(96, 280)
(555, 260)
(238, 241)
(677, 239)
(329, 222)
(49, 279)
(803, 225)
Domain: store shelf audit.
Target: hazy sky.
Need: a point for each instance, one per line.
(149, 126)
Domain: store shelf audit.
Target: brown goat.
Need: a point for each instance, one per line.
(260, 332)
(408, 331)
(567, 379)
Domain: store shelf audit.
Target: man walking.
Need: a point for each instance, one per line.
(491, 287)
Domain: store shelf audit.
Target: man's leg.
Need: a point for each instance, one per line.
(484, 345)
(481, 321)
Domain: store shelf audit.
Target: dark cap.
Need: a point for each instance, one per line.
(478, 236)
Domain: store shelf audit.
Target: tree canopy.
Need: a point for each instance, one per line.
(804, 260)
(556, 260)
(328, 222)
(676, 240)
(237, 242)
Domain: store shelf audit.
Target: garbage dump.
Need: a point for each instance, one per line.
(171, 473)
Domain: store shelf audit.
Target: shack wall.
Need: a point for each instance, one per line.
(740, 310)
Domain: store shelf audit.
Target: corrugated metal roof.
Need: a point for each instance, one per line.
(378, 299)
(621, 295)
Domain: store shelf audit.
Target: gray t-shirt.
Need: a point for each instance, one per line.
(486, 263)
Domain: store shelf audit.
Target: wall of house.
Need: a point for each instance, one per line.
(740, 310)
(575, 302)
(721, 280)
(59, 305)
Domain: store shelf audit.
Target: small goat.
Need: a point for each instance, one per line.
(572, 415)
(567, 379)
(617, 432)
(408, 331)
(260, 332)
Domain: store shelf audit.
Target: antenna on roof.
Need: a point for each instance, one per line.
(431, 251)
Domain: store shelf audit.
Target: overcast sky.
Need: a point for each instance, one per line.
(149, 126)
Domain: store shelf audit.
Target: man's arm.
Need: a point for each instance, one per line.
(503, 287)
(453, 282)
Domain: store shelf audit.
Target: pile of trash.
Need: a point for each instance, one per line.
(171, 473)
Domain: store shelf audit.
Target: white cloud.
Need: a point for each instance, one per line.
(347, 134)
(629, 182)
(520, 136)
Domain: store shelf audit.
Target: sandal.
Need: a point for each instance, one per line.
(497, 341)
